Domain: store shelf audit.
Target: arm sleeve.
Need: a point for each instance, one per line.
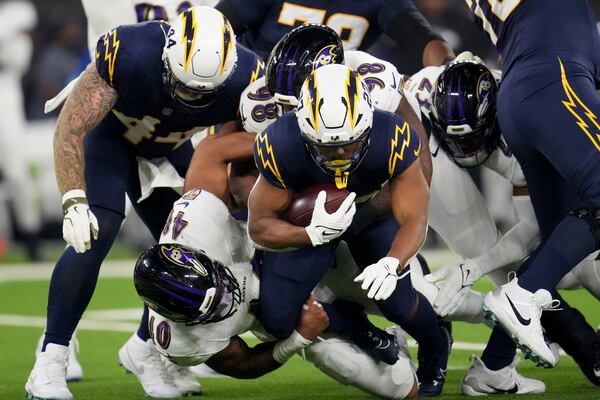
(244, 14)
(407, 27)
(266, 159)
(404, 146)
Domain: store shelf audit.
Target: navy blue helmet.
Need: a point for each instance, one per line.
(185, 285)
(296, 55)
(463, 113)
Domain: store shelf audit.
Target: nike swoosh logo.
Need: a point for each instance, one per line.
(330, 232)
(394, 85)
(465, 275)
(514, 389)
(597, 372)
(519, 316)
(183, 203)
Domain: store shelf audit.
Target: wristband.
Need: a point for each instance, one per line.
(72, 198)
(365, 216)
(285, 349)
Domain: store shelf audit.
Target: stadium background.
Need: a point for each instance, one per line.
(59, 54)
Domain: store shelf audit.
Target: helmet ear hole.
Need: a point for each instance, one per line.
(463, 112)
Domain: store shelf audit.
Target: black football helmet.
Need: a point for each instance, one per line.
(185, 285)
(463, 112)
(296, 55)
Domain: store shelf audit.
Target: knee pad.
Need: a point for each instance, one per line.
(349, 365)
(591, 215)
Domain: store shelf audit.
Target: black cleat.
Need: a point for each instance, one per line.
(432, 371)
(379, 344)
(569, 329)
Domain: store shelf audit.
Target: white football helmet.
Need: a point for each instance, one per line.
(199, 55)
(335, 115)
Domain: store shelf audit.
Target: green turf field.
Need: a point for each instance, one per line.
(114, 308)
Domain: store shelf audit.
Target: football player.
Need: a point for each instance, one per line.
(547, 110)
(152, 87)
(335, 136)
(311, 46)
(358, 23)
(471, 140)
(224, 266)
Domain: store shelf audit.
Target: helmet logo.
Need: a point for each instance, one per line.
(352, 96)
(327, 55)
(313, 94)
(226, 43)
(182, 257)
(484, 92)
(189, 35)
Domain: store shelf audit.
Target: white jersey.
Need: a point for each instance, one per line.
(258, 109)
(201, 221)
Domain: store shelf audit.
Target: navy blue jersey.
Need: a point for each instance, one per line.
(129, 59)
(283, 159)
(523, 29)
(358, 22)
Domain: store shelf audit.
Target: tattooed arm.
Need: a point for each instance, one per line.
(89, 102)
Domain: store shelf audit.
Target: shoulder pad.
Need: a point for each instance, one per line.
(383, 79)
(258, 109)
(420, 86)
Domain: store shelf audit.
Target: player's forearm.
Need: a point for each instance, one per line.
(247, 363)
(275, 233)
(436, 53)
(513, 247)
(409, 239)
(92, 98)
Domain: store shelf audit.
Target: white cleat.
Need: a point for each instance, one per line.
(47, 380)
(518, 312)
(480, 381)
(183, 378)
(204, 371)
(74, 369)
(145, 362)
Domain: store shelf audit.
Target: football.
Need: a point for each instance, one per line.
(299, 212)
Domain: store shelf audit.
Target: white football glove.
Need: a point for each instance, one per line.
(325, 227)
(456, 283)
(380, 277)
(78, 221)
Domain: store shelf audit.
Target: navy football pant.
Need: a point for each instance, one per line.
(288, 278)
(552, 128)
(110, 173)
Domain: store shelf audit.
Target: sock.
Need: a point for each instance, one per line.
(425, 329)
(500, 350)
(559, 254)
(74, 280)
(142, 331)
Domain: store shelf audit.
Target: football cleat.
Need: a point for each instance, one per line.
(432, 370)
(481, 381)
(580, 341)
(379, 344)
(518, 312)
(74, 369)
(145, 362)
(183, 378)
(47, 380)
